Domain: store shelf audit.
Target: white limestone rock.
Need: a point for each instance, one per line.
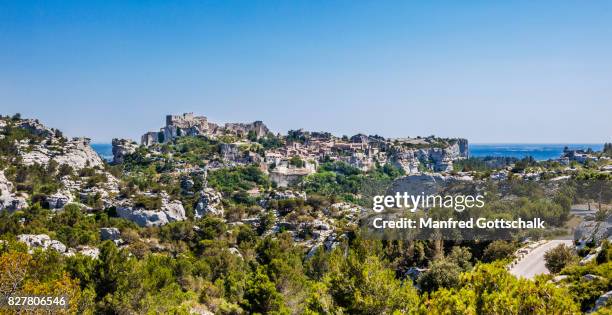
(170, 211)
(34, 126)
(434, 158)
(122, 148)
(76, 153)
(8, 200)
(235, 251)
(144, 218)
(89, 251)
(42, 241)
(112, 234)
(209, 203)
(174, 210)
(59, 199)
(79, 154)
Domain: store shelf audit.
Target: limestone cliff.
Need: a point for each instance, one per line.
(413, 159)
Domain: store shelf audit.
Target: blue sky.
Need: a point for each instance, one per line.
(495, 71)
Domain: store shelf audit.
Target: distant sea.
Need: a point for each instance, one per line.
(104, 150)
(519, 150)
(540, 151)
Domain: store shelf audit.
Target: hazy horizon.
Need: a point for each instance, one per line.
(491, 72)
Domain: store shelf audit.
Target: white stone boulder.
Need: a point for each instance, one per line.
(209, 203)
(59, 199)
(42, 241)
(8, 200)
(122, 148)
(170, 211)
(112, 234)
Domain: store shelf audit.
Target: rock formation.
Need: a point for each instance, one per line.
(170, 211)
(209, 203)
(76, 153)
(42, 241)
(437, 159)
(112, 234)
(121, 148)
(8, 200)
(59, 199)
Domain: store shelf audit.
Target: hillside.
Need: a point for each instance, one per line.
(234, 219)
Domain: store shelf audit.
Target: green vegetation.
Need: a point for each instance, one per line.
(232, 265)
(559, 257)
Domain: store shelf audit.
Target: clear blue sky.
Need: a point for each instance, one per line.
(490, 71)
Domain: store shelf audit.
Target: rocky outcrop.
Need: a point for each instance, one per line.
(8, 200)
(170, 211)
(437, 159)
(112, 234)
(42, 241)
(593, 231)
(76, 153)
(602, 301)
(34, 127)
(287, 194)
(209, 203)
(284, 174)
(89, 251)
(59, 199)
(144, 218)
(122, 148)
(174, 210)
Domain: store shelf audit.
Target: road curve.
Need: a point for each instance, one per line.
(533, 263)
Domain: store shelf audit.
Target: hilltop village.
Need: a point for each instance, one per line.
(298, 154)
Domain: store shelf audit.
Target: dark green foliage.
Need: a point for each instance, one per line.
(559, 257)
(497, 250)
(297, 162)
(442, 273)
(73, 227)
(147, 202)
(261, 295)
(230, 180)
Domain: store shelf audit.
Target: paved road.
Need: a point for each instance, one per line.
(533, 264)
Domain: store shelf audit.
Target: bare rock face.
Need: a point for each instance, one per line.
(59, 199)
(174, 211)
(436, 159)
(285, 174)
(35, 127)
(9, 201)
(112, 234)
(79, 154)
(593, 231)
(76, 153)
(209, 203)
(121, 148)
(144, 218)
(89, 251)
(287, 194)
(602, 301)
(42, 241)
(170, 211)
